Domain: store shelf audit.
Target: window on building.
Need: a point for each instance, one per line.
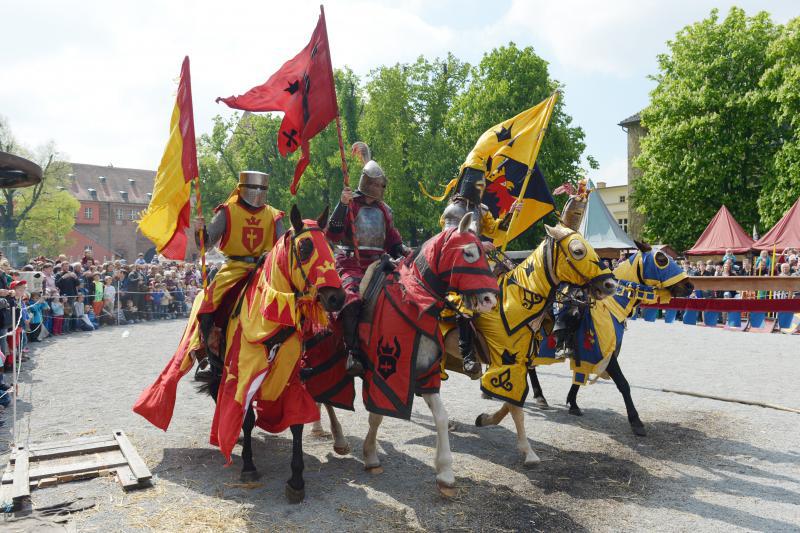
(87, 213)
(120, 214)
(623, 223)
(622, 199)
(134, 214)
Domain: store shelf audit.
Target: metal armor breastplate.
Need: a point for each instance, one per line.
(370, 228)
(456, 211)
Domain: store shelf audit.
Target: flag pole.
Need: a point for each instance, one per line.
(534, 155)
(345, 172)
(199, 207)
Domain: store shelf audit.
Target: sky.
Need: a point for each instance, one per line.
(99, 78)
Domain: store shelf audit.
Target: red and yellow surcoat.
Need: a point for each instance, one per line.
(249, 233)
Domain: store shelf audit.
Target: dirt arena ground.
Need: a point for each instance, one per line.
(705, 465)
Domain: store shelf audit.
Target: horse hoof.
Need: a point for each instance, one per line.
(294, 495)
(541, 403)
(248, 476)
(452, 425)
(342, 450)
(319, 433)
(374, 470)
(447, 491)
(479, 420)
(575, 410)
(531, 462)
(638, 429)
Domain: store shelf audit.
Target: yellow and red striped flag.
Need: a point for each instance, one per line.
(167, 217)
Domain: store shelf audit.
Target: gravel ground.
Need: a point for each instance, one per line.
(705, 465)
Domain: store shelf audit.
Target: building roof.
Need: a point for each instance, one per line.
(721, 234)
(599, 227)
(111, 184)
(631, 120)
(785, 234)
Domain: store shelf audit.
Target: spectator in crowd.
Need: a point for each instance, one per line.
(49, 282)
(82, 321)
(98, 290)
(36, 306)
(57, 308)
(728, 256)
(763, 264)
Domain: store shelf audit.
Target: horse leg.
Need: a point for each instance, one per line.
(572, 400)
(523, 445)
(445, 479)
(340, 444)
(296, 486)
(492, 419)
(249, 472)
(316, 428)
(371, 462)
(538, 395)
(622, 385)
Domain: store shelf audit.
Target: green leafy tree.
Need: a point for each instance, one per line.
(44, 214)
(711, 140)
(405, 125)
(781, 84)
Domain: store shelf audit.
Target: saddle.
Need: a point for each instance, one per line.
(372, 282)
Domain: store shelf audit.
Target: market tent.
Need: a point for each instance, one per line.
(722, 233)
(599, 227)
(785, 234)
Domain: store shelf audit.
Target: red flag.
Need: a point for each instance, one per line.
(303, 89)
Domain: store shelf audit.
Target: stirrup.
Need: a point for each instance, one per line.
(353, 366)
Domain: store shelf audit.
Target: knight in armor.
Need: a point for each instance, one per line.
(467, 198)
(362, 225)
(568, 318)
(243, 227)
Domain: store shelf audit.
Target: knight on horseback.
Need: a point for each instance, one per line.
(244, 227)
(467, 198)
(363, 227)
(570, 312)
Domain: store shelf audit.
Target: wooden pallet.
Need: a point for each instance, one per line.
(49, 463)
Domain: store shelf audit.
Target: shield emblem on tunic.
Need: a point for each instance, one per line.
(387, 357)
(252, 236)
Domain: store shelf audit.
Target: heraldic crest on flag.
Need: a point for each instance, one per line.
(506, 153)
(304, 90)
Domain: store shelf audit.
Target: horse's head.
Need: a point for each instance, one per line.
(311, 265)
(454, 260)
(655, 269)
(576, 262)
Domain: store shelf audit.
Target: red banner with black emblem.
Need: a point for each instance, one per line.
(304, 90)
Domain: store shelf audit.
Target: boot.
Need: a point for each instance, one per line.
(466, 346)
(565, 344)
(204, 371)
(354, 364)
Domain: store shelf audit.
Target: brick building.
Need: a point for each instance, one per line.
(112, 200)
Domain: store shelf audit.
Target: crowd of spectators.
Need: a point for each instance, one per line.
(85, 295)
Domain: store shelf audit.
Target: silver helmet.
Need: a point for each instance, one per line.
(373, 181)
(253, 187)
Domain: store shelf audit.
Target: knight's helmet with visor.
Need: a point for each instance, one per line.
(253, 187)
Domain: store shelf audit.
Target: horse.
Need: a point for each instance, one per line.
(644, 277)
(282, 302)
(507, 334)
(401, 340)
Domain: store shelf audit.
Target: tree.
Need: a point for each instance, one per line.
(43, 214)
(507, 81)
(781, 84)
(405, 125)
(710, 140)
